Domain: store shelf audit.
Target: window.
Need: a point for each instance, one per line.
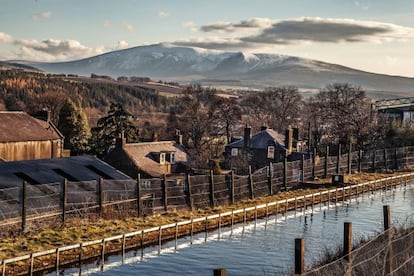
(172, 157)
(271, 152)
(234, 151)
(162, 158)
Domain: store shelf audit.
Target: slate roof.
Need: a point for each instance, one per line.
(18, 126)
(141, 154)
(44, 171)
(260, 140)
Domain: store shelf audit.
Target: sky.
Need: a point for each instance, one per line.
(371, 35)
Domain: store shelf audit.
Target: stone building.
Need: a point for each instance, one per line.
(23, 137)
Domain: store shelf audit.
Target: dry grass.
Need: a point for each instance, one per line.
(80, 230)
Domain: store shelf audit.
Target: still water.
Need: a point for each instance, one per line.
(267, 246)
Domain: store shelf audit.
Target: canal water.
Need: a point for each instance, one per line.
(264, 247)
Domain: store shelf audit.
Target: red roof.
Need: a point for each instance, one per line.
(18, 126)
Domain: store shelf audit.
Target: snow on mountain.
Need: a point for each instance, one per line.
(184, 64)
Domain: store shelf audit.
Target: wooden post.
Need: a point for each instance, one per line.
(212, 199)
(347, 241)
(189, 192)
(285, 181)
(100, 195)
(373, 161)
(385, 160)
(302, 168)
(387, 217)
(314, 164)
(338, 160)
(57, 261)
(251, 189)
(232, 186)
(219, 272)
(139, 196)
(350, 159)
(103, 254)
(269, 178)
(165, 192)
(80, 255)
(360, 161)
(64, 198)
(299, 256)
(23, 201)
(325, 165)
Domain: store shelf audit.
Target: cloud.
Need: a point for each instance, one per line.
(163, 14)
(190, 26)
(41, 16)
(107, 24)
(6, 38)
(265, 32)
(127, 26)
(122, 45)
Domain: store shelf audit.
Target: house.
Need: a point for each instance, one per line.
(54, 170)
(265, 146)
(150, 159)
(399, 110)
(23, 137)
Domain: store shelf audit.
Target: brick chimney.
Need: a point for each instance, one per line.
(178, 137)
(120, 141)
(247, 136)
(289, 140)
(263, 128)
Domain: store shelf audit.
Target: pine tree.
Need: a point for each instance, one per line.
(74, 125)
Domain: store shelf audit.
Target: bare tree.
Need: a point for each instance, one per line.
(228, 113)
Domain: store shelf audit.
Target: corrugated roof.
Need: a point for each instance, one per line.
(17, 126)
(142, 155)
(261, 139)
(46, 171)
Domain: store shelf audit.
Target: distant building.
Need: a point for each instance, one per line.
(23, 137)
(150, 159)
(55, 170)
(399, 110)
(265, 146)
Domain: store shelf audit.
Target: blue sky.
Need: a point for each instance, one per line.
(372, 35)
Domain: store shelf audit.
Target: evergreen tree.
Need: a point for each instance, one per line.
(75, 127)
(112, 126)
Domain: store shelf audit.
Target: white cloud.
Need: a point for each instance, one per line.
(107, 24)
(41, 16)
(122, 44)
(163, 14)
(190, 26)
(127, 26)
(6, 38)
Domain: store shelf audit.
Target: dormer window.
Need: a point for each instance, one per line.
(271, 152)
(162, 158)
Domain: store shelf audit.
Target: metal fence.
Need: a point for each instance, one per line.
(157, 195)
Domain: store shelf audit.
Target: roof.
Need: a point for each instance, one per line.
(142, 154)
(261, 140)
(44, 171)
(18, 126)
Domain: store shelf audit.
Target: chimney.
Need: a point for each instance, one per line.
(120, 141)
(263, 128)
(247, 136)
(178, 137)
(289, 140)
(154, 136)
(296, 133)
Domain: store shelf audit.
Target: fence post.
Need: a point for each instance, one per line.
(232, 186)
(100, 195)
(285, 172)
(302, 168)
(189, 192)
(139, 195)
(360, 161)
(347, 241)
(299, 256)
(373, 160)
(219, 272)
(314, 164)
(64, 198)
(251, 183)
(24, 204)
(387, 217)
(350, 159)
(164, 192)
(269, 178)
(325, 165)
(385, 159)
(212, 199)
(338, 160)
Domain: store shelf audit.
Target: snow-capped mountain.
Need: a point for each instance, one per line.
(185, 64)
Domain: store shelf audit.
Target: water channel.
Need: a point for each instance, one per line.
(265, 247)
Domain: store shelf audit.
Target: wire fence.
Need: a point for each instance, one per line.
(389, 253)
(19, 205)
